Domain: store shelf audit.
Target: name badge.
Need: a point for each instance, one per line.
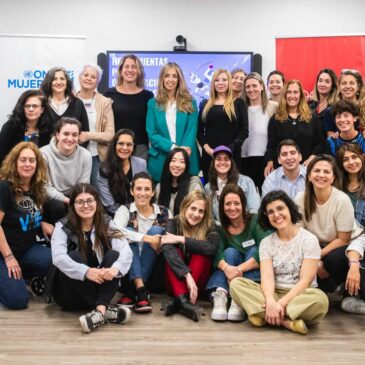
(248, 243)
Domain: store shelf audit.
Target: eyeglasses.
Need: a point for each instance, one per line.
(31, 106)
(279, 209)
(89, 202)
(128, 144)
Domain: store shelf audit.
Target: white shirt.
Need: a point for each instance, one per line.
(171, 120)
(59, 108)
(91, 114)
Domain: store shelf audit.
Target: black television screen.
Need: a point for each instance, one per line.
(198, 67)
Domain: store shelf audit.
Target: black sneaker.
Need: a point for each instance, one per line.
(91, 320)
(117, 314)
(143, 304)
(37, 285)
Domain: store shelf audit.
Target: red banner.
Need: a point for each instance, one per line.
(302, 58)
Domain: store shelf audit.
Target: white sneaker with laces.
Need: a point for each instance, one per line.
(236, 313)
(219, 312)
(91, 320)
(353, 305)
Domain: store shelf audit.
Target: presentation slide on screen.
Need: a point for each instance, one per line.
(198, 67)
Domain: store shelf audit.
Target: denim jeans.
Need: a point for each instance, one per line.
(144, 259)
(94, 171)
(234, 258)
(35, 261)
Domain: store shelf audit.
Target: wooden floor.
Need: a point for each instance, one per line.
(43, 334)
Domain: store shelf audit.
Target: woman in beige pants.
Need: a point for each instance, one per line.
(289, 259)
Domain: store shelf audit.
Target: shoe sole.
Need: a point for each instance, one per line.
(128, 313)
(130, 306)
(219, 318)
(142, 309)
(236, 318)
(85, 328)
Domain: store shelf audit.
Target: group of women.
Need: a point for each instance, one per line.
(219, 240)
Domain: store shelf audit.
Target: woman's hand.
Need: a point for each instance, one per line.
(269, 168)
(352, 284)
(187, 149)
(14, 269)
(84, 137)
(322, 272)
(193, 289)
(310, 158)
(232, 272)
(95, 275)
(47, 230)
(274, 312)
(208, 149)
(172, 239)
(153, 241)
(109, 273)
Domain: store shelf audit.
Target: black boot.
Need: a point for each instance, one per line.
(188, 309)
(171, 307)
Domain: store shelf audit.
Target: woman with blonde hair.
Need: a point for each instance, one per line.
(294, 120)
(22, 194)
(100, 114)
(189, 246)
(172, 121)
(260, 110)
(238, 79)
(130, 101)
(222, 120)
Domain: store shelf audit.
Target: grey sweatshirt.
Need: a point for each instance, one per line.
(65, 171)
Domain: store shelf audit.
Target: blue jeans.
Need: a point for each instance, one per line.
(35, 261)
(143, 262)
(234, 258)
(94, 171)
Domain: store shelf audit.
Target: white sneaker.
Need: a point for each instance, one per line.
(219, 312)
(353, 305)
(236, 313)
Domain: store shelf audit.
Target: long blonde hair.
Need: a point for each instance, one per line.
(9, 173)
(228, 105)
(200, 231)
(282, 114)
(184, 100)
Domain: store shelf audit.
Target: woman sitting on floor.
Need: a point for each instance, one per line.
(91, 256)
(237, 255)
(142, 222)
(188, 246)
(22, 193)
(289, 259)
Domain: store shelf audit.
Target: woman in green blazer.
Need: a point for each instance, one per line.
(172, 121)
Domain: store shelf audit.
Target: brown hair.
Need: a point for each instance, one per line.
(140, 70)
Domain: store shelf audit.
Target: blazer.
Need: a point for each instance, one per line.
(104, 128)
(160, 140)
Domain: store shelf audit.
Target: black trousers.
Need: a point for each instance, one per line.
(337, 265)
(253, 167)
(74, 295)
(54, 210)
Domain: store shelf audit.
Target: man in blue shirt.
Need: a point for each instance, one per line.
(290, 176)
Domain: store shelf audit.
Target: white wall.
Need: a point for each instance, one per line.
(208, 25)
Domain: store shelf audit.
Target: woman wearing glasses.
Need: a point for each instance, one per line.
(27, 122)
(117, 171)
(91, 256)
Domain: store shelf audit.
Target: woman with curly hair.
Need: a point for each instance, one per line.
(91, 255)
(117, 171)
(223, 120)
(294, 120)
(22, 194)
(172, 121)
(27, 122)
(57, 87)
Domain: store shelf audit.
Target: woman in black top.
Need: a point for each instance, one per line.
(57, 87)
(189, 245)
(130, 101)
(222, 120)
(27, 122)
(294, 120)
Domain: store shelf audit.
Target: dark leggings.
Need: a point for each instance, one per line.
(74, 295)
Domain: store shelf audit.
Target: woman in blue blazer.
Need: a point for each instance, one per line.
(172, 121)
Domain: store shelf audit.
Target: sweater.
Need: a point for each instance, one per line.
(65, 171)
